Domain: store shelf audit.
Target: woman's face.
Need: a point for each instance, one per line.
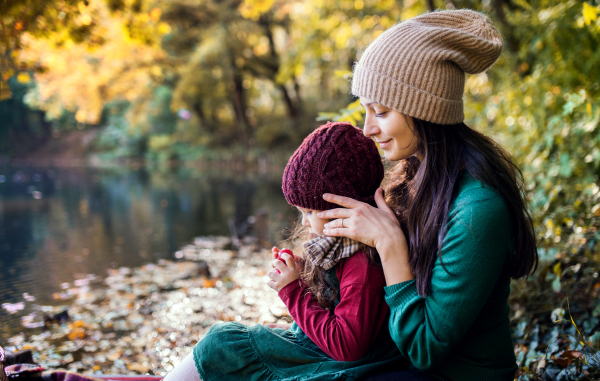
(393, 130)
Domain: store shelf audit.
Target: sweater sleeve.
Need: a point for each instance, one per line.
(348, 332)
(474, 252)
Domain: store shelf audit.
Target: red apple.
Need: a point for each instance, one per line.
(278, 256)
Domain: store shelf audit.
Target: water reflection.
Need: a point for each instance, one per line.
(58, 225)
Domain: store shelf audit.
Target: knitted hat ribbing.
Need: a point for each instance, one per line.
(418, 66)
(335, 158)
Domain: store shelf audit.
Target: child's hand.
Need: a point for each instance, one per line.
(282, 273)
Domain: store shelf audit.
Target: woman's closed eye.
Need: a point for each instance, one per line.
(380, 112)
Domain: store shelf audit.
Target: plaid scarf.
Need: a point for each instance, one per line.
(326, 251)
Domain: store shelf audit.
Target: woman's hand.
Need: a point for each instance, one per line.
(287, 271)
(375, 227)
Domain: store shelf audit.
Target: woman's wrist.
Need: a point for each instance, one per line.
(394, 260)
(393, 244)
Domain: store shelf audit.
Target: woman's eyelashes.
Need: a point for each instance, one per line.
(379, 112)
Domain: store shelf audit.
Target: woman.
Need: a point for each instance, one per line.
(452, 228)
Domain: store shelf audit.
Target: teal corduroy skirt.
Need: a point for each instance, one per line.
(233, 351)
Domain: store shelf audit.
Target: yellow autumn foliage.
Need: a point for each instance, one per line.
(590, 13)
(82, 80)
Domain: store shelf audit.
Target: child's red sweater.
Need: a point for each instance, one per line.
(347, 333)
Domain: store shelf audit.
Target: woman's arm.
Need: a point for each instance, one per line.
(375, 227)
(347, 334)
(475, 251)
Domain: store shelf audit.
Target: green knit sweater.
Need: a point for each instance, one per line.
(460, 331)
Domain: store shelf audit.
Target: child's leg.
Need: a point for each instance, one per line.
(184, 371)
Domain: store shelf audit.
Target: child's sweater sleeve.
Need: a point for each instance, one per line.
(346, 334)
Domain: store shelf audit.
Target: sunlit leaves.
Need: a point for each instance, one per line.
(253, 9)
(590, 13)
(23, 78)
(352, 114)
(82, 79)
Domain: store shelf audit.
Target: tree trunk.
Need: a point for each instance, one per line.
(293, 111)
(293, 106)
(238, 102)
(204, 122)
(430, 5)
(511, 41)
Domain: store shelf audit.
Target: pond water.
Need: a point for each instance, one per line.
(59, 225)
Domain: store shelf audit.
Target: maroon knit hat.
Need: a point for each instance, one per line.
(335, 158)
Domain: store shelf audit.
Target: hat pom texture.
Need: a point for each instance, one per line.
(335, 158)
(418, 66)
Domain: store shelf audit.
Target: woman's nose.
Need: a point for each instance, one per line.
(370, 128)
(305, 222)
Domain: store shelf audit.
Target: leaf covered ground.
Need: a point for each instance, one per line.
(146, 319)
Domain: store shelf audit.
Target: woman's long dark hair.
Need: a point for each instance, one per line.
(420, 194)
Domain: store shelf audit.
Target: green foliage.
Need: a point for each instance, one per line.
(116, 140)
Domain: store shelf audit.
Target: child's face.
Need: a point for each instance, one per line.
(312, 222)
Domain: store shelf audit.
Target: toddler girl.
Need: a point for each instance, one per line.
(333, 287)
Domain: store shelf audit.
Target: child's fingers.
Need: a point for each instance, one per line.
(272, 284)
(289, 260)
(274, 275)
(278, 265)
(274, 253)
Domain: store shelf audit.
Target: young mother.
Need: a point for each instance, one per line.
(452, 228)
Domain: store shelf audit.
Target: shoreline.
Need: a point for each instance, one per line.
(144, 320)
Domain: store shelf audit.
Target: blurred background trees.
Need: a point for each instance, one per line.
(173, 79)
(183, 76)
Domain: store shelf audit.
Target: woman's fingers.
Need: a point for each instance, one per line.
(339, 223)
(346, 202)
(380, 201)
(335, 213)
(340, 232)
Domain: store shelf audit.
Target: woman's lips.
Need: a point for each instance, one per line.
(385, 143)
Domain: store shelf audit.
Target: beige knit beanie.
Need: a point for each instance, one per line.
(418, 66)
